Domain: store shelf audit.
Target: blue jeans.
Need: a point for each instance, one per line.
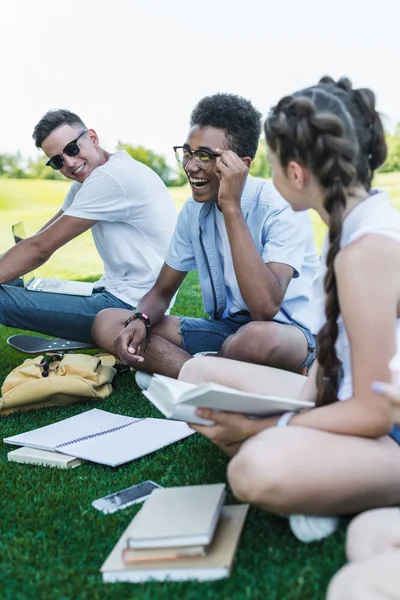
(59, 315)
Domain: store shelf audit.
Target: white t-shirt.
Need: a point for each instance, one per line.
(377, 216)
(135, 221)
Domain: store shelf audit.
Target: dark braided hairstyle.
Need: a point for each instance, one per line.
(336, 133)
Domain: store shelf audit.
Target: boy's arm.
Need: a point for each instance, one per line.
(50, 221)
(153, 304)
(37, 249)
(263, 286)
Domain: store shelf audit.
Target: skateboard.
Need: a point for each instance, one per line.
(35, 344)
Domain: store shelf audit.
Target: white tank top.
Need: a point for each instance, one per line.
(375, 215)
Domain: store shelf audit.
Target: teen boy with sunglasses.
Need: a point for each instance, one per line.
(131, 216)
(255, 258)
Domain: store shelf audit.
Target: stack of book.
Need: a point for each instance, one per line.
(180, 533)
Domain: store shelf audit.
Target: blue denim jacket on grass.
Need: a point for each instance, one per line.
(279, 234)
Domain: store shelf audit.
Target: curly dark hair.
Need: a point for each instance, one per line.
(236, 116)
(337, 133)
(51, 120)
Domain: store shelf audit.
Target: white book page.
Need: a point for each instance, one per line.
(146, 574)
(178, 400)
(180, 412)
(170, 391)
(219, 397)
(134, 441)
(51, 436)
(167, 395)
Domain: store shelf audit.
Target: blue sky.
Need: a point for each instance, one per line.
(134, 69)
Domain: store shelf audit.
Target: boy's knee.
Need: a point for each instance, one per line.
(104, 319)
(99, 321)
(254, 342)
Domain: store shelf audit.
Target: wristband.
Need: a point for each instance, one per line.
(283, 420)
(145, 320)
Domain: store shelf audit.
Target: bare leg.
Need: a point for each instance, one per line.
(107, 326)
(297, 470)
(163, 354)
(162, 357)
(268, 343)
(373, 543)
(373, 532)
(242, 376)
(376, 578)
(109, 323)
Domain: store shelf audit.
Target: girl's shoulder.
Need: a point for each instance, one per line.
(364, 257)
(376, 215)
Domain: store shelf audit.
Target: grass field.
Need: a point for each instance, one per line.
(53, 542)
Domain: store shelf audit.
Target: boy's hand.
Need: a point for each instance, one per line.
(128, 344)
(232, 173)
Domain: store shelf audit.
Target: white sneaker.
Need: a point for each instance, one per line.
(206, 353)
(312, 529)
(143, 379)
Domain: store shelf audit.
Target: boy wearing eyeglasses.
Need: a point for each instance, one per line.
(255, 259)
(131, 216)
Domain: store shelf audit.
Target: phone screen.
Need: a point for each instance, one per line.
(133, 493)
(126, 497)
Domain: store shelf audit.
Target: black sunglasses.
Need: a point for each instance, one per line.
(72, 149)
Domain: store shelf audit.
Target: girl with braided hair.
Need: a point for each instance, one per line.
(343, 456)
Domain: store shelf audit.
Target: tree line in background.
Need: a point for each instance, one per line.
(14, 166)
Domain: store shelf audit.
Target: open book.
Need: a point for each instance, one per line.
(179, 400)
(103, 437)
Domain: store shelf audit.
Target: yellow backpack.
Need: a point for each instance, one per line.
(57, 380)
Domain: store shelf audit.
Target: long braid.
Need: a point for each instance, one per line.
(328, 376)
(371, 154)
(319, 140)
(337, 134)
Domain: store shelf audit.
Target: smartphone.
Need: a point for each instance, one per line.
(124, 498)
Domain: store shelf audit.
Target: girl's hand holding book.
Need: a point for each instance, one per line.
(230, 429)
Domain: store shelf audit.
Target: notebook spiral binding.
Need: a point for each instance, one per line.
(99, 433)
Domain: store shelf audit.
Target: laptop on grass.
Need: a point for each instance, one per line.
(52, 286)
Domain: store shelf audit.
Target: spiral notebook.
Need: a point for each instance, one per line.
(103, 437)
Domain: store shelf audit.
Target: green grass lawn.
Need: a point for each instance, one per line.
(53, 542)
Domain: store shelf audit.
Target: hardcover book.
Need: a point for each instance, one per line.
(216, 564)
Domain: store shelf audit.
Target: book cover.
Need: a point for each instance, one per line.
(178, 399)
(130, 555)
(43, 458)
(216, 564)
(103, 437)
(178, 516)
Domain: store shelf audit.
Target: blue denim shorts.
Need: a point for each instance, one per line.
(199, 335)
(395, 434)
(312, 347)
